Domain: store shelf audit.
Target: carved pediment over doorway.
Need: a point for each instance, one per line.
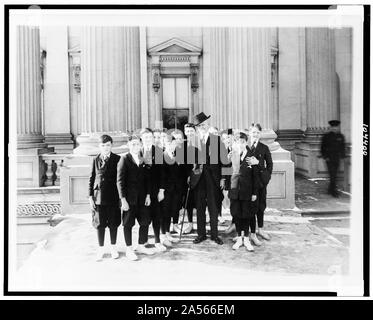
(175, 46)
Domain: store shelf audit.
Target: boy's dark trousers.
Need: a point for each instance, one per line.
(242, 213)
(155, 218)
(259, 206)
(109, 216)
(138, 212)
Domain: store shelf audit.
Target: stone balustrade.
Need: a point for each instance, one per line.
(51, 165)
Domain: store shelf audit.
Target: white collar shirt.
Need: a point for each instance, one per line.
(136, 158)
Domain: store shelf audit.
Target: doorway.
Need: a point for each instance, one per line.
(175, 102)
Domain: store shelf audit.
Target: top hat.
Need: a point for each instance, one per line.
(199, 118)
(334, 123)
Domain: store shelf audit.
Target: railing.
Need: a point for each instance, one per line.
(51, 165)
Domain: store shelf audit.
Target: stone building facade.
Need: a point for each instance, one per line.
(74, 83)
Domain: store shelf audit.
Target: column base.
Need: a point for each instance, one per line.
(281, 188)
(30, 141)
(29, 166)
(288, 137)
(308, 160)
(88, 143)
(61, 142)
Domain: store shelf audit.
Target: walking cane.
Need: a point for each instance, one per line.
(185, 207)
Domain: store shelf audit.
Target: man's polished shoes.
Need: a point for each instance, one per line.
(199, 239)
(217, 240)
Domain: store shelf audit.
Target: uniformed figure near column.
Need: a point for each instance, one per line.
(29, 127)
(110, 80)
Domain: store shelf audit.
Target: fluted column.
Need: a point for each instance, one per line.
(250, 76)
(321, 100)
(238, 89)
(110, 84)
(29, 127)
(215, 67)
(321, 79)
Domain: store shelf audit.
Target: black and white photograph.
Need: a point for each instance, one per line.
(186, 150)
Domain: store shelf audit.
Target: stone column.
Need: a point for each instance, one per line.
(29, 126)
(144, 78)
(110, 85)
(237, 73)
(249, 77)
(56, 91)
(321, 79)
(215, 80)
(292, 86)
(30, 141)
(321, 93)
(237, 91)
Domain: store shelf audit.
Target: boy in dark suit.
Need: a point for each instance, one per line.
(173, 182)
(133, 184)
(243, 191)
(265, 166)
(190, 158)
(103, 194)
(153, 157)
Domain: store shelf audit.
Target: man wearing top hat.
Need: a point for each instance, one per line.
(332, 150)
(207, 179)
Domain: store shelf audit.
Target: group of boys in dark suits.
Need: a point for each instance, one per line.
(150, 183)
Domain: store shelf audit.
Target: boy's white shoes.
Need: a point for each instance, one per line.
(238, 243)
(176, 229)
(188, 228)
(255, 240)
(144, 250)
(221, 219)
(130, 254)
(264, 235)
(159, 247)
(100, 253)
(171, 238)
(247, 244)
(165, 241)
(114, 252)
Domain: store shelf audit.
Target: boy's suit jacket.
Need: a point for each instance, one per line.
(153, 161)
(103, 180)
(174, 175)
(133, 181)
(265, 165)
(246, 182)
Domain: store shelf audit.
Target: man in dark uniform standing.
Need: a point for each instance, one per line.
(332, 150)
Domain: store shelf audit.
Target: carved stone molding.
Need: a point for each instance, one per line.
(38, 209)
(76, 69)
(194, 70)
(156, 77)
(274, 65)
